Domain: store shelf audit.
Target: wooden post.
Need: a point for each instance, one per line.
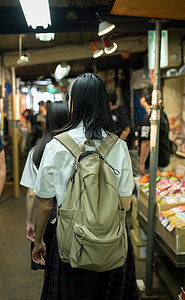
(15, 134)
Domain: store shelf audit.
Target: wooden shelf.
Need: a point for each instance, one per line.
(179, 153)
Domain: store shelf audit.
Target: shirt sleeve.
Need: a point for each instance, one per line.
(125, 185)
(119, 158)
(29, 173)
(44, 185)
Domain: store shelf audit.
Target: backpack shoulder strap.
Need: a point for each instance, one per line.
(69, 143)
(108, 143)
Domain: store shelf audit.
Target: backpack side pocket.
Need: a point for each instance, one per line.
(64, 232)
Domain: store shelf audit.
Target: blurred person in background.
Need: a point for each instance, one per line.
(144, 138)
(30, 118)
(40, 121)
(2, 167)
(30, 127)
(56, 118)
(120, 117)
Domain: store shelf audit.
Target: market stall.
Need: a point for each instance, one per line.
(169, 214)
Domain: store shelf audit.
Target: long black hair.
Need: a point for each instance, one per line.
(56, 118)
(89, 103)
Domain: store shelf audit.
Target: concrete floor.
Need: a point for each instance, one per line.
(17, 280)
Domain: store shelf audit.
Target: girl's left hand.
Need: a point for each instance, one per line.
(30, 231)
(38, 253)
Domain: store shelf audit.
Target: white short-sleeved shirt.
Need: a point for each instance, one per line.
(30, 172)
(57, 162)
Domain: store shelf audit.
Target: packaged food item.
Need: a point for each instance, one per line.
(174, 217)
(169, 187)
(165, 222)
(170, 227)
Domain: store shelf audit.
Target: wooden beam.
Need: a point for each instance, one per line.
(135, 61)
(74, 52)
(165, 9)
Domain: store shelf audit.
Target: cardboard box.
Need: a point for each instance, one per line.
(143, 205)
(139, 246)
(174, 239)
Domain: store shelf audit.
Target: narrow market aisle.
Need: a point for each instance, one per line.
(17, 280)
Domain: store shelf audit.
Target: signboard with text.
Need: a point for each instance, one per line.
(151, 49)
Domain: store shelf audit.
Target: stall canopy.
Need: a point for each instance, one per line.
(166, 9)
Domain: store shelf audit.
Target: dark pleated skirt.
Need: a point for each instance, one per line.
(65, 283)
(130, 288)
(48, 238)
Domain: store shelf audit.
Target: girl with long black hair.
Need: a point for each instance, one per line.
(90, 119)
(57, 116)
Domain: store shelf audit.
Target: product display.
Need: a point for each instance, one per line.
(170, 187)
(170, 209)
(174, 217)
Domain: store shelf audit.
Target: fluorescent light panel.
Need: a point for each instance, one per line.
(61, 71)
(36, 12)
(45, 37)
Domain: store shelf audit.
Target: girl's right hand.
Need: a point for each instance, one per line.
(38, 253)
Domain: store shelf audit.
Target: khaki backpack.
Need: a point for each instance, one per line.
(91, 230)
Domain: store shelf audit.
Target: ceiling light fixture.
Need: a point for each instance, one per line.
(45, 37)
(109, 47)
(104, 26)
(36, 12)
(96, 51)
(23, 58)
